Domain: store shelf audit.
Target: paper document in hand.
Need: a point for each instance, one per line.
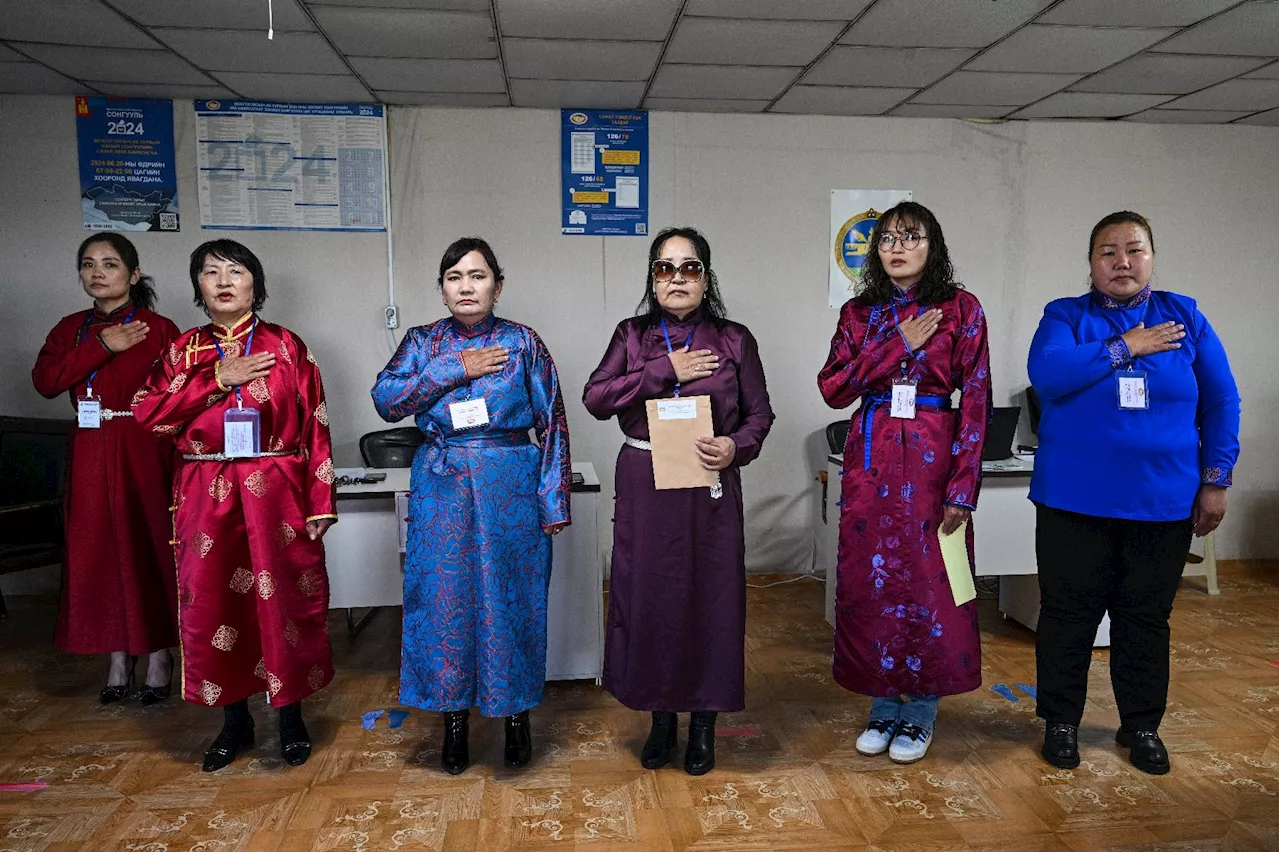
(955, 556)
(674, 428)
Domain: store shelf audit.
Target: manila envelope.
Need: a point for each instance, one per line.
(674, 427)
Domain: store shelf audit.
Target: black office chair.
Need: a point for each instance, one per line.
(1033, 409)
(837, 434)
(391, 447)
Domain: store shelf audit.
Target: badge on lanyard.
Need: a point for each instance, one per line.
(241, 427)
(89, 412)
(469, 414)
(1131, 389)
(903, 404)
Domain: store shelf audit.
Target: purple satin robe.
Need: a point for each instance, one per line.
(677, 594)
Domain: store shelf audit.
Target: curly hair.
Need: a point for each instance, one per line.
(937, 283)
(650, 311)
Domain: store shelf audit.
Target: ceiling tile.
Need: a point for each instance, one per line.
(289, 53)
(884, 66)
(1065, 50)
(296, 88)
(1247, 30)
(409, 33)
(793, 10)
(734, 82)
(10, 55)
(565, 93)
(1109, 13)
(1165, 74)
(431, 75)
(914, 110)
(840, 100)
(983, 87)
(555, 59)
(1266, 72)
(222, 15)
(1262, 119)
(86, 22)
(28, 78)
(639, 20)
(1089, 105)
(1186, 116)
(1233, 94)
(704, 105)
(162, 90)
(951, 23)
(452, 99)
(718, 41)
(437, 5)
(120, 66)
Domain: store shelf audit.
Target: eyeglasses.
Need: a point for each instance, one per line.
(665, 270)
(909, 240)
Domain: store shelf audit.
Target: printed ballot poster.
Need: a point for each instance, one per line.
(604, 172)
(854, 213)
(128, 181)
(300, 167)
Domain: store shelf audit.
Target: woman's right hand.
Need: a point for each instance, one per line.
(697, 364)
(483, 362)
(1159, 338)
(918, 330)
(241, 371)
(118, 338)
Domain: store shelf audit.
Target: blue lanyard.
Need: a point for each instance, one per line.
(84, 335)
(248, 345)
(667, 337)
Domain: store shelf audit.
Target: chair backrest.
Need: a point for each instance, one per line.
(837, 434)
(33, 457)
(391, 447)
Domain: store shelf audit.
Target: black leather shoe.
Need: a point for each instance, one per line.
(519, 748)
(1061, 748)
(149, 694)
(111, 694)
(700, 754)
(295, 743)
(225, 747)
(454, 756)
(1146, 751)
(662, 739)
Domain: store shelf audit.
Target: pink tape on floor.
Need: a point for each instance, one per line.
(28, 787)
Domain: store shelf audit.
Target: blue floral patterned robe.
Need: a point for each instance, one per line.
(478, 560)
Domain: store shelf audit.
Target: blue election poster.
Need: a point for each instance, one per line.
(128, 181)
(604, 172)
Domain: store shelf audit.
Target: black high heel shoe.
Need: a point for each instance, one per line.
(111, 694)
(519, 746)
(454, 755)
(149, 694)
(295, 743)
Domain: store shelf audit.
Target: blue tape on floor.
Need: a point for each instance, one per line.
(1003, 690)
(368, 720)
(395, 718)
(1027, 688)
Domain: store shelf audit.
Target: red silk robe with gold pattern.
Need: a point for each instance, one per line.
(253, 594)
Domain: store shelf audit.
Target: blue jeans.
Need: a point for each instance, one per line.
(918, 710)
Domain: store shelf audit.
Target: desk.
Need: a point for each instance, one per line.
(364, 552)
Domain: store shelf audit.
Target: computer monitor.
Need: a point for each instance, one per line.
(999, 443)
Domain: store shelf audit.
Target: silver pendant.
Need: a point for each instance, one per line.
(717, 491)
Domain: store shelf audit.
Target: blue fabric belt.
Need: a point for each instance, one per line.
(872, 401)
(437, 445)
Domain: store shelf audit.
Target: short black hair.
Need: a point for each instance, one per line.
(459, 249)
(235, 252)
(143, 292)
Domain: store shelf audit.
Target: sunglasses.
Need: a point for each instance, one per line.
(665, 270)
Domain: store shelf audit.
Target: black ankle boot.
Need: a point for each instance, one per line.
(295, 744)
(519, 750)
(454, 757)
(700, 754)
(662, 738)
(236, 733)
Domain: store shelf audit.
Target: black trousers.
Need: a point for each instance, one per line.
(1089, 566)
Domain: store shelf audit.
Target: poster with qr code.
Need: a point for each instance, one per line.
(604, 172)
(128, 179)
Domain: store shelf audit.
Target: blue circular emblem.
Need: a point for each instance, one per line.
(853, 241)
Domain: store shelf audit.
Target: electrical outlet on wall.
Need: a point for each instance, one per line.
(392, 315)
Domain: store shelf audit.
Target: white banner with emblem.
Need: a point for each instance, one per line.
(853, 216)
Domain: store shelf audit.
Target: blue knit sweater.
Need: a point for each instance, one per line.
(1141, 464)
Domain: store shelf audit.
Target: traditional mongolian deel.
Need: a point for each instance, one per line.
(478, 562)
(898, 630)
(678, 596)
(117, 578)
(253, 594)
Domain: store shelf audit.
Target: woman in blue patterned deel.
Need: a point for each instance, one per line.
(484, 502)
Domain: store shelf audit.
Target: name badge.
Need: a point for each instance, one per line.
(469, 414)
(677, 409)
(1131, 389)
(903, 404)
(241, 433)
(89, 413)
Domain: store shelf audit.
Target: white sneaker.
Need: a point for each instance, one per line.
(875, 739)
(910, 744)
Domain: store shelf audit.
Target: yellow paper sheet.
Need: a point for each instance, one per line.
(956, 558)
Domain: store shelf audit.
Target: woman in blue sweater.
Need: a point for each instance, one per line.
(1138, 437)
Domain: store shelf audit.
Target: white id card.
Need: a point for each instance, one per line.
(903, 405)
(89, 413)
(1131, 389)
(240, 433)
(469, 414)
(678, 409)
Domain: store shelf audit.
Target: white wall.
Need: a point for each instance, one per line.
(1016, 202)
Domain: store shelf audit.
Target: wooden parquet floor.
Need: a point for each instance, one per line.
(788, 778)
